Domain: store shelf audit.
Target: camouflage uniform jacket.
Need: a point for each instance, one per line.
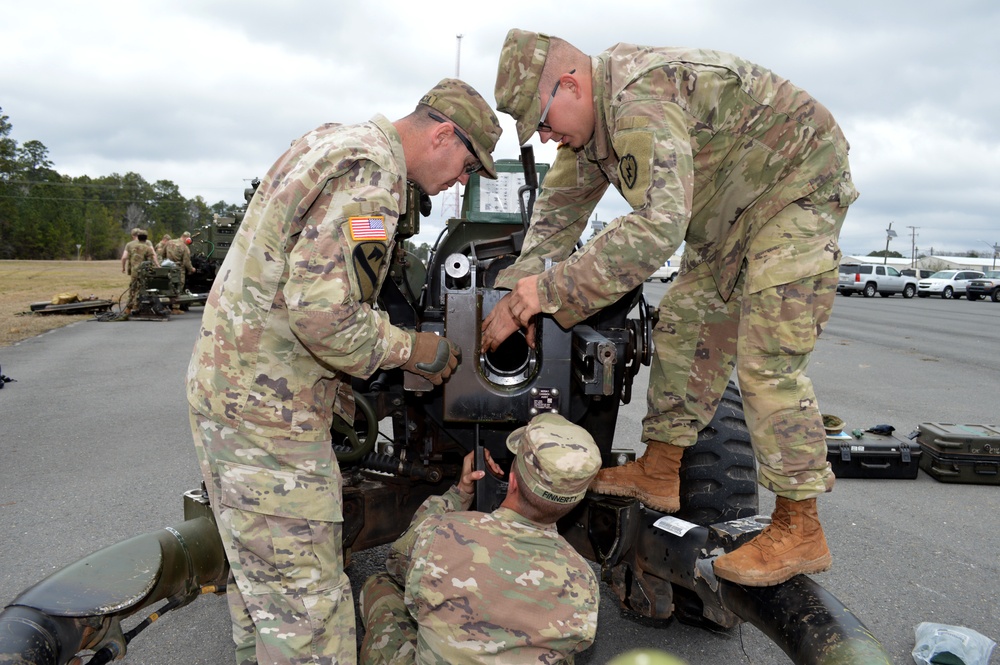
(706, 148)
(161, 250)
(290, 319)
(137, 253)
(178, 252)
(492, 587)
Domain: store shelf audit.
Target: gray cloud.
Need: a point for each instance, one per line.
(207, 94)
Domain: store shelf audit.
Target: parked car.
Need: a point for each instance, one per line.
(947, 283)
(919, 273)
(871, 278)
(666, 272)
(987, 286)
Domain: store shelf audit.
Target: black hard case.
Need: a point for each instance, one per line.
(873, 456)
(969, 469)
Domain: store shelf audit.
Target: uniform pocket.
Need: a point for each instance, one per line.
(285, 526)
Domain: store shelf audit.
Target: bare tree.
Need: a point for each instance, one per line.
(134, 217)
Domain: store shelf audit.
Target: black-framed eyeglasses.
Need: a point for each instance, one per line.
(542, 126)
(475, 165)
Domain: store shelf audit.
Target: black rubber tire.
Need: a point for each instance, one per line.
(884, 294)
(948, 293)
(909, 291)
(973, 297)
(869, 291)
(847, 293)
(719, 473)
(995, 296)
(718, 484)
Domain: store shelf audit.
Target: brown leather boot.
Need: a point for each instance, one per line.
(654, 478)
(792, 544)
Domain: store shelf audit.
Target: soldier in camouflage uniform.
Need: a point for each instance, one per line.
(161, 247)
(751, 173)
(289, 321)
(467, 587)
(179, 252)
(136, 252)
(135, 234)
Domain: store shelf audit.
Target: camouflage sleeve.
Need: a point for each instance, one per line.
(326, 311)
(656, 176)
(570, 192)
(398, 561)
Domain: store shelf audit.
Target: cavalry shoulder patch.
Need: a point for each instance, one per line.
(367, 259)
(368, 228)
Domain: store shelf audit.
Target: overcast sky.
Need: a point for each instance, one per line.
(208, 93)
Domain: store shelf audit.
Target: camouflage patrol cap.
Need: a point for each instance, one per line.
(556, 458)
(518, 75)
(460, 103)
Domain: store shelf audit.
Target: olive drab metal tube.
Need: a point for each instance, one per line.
(806, 621)
(81, 606)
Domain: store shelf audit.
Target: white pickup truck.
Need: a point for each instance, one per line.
(667, 271)
(871, 278)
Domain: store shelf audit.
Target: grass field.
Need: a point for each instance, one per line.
(25, 282)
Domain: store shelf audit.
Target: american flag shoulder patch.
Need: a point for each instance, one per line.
(368, 228)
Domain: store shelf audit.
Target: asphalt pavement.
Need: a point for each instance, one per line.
(95, 448)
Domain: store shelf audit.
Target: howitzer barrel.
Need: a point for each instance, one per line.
(80, 606)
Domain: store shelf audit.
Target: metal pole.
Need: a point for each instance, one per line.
(889, 235)
(996, 249)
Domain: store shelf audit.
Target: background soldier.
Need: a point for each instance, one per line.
(135, 234)
(289, 321)
(136, 252)
(504, 587)
(179, 252)
(752, 174)
(161, 247)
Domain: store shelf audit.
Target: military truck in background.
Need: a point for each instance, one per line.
(211, 243)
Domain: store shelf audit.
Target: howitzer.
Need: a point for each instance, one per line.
(657, 566)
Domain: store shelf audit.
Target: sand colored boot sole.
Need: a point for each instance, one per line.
(654, 478)
(793, 544)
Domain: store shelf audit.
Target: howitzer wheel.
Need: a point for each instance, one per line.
(718, 474)
(718, 484)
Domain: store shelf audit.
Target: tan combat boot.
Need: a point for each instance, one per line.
(654, 478)
(792, 544)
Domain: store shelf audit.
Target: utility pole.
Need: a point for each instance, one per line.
(889, 235)
(996, 250)
(913, 245)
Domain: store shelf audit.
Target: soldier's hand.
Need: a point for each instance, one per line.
(469, 475)
(524, 300)
(498, 325)
(432, 357)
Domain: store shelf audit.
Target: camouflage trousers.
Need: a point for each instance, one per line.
(390, 632)
(768, 336)
(136, 287)
(278, 507)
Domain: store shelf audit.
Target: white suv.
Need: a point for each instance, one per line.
(871, 278)
(947, 283)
